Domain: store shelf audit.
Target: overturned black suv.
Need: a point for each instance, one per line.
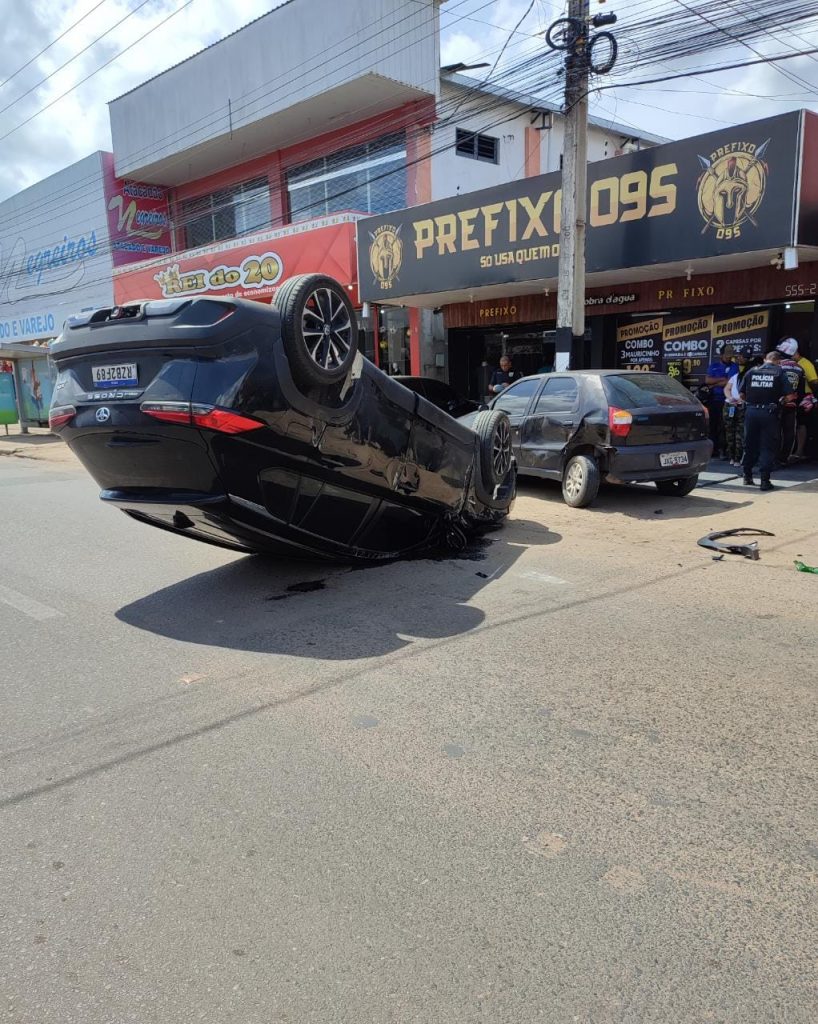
(262, 428)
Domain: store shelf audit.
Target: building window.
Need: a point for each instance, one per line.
(228, 213)
(369, 178)
(477, 147)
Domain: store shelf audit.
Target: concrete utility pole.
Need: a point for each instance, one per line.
(573, 36)
(571, 284)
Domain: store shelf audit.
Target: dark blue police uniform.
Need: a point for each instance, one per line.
(502, 377)
(763, 388)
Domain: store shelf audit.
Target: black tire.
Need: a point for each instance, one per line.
(602, 67)
(319, 329)
(677, 488)
(563, 33)
(580, 481)
(494, 431)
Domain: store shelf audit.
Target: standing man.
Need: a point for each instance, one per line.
(501, 378)
(718, 373)
(763, 388)
(789, 408)
(789, 347)
(734, 409)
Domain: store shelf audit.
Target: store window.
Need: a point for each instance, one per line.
(514, 400)
(477, 147)
(369, 178)
(394, 341)
(228, 213)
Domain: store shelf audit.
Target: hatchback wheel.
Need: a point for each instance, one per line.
(677, 488)
(580, 481)
(319, 329)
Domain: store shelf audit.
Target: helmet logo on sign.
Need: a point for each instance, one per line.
(103, 414)
(732, 187)
(386, 254)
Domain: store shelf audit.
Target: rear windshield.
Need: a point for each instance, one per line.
(637, 390)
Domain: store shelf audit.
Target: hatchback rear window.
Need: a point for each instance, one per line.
(637, 390)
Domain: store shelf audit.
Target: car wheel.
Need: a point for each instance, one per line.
(319, 329)
(580, 481)
(494, 430)
(677, 488)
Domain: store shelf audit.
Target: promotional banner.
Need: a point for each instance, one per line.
(36, 387)
(639, 344)
(8, 403)
(726, 192)
(686, 348)
(253, 267)
(747, 331)
(138, 218)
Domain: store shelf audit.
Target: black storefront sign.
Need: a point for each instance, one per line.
(724, 192)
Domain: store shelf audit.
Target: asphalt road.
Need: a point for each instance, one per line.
(570, 778)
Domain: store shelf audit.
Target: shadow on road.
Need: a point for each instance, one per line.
(309, 610)
(639, 501)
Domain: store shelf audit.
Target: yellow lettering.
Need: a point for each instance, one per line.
(490, 221)
(661, 190)
(424, 236)
(611, 186)
(633, 191)
(511, 206)
(466, 227)
(446, 233)
(535, 215)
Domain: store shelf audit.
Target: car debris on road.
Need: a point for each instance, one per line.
(750, 550)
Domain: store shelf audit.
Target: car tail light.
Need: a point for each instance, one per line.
(207, 416)
(619, 420)
(168, 412)
(60, 415)
(223, 420)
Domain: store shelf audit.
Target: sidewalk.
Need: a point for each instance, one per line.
(722, 475)
(39, 443)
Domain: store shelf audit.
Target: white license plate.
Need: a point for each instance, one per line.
(673, 459)
(114, 376)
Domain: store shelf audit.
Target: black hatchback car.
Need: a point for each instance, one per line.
(262, 428)
(580, 427)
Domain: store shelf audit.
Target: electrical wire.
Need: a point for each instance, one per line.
(492, 102)
(71, 59)
(186, 131)
(48, 46)
(82, 81)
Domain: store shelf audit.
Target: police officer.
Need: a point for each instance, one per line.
(501, 378)
(763, 389)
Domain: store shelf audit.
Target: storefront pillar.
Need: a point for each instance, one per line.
(415, 326)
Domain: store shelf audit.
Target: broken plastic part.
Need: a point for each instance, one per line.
(712, 541)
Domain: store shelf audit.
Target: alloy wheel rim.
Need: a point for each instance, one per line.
(501, 450)
(327, 329)
(574, 480)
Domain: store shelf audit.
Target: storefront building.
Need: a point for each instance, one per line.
(272, 165)
(59, 242)
(690, 245)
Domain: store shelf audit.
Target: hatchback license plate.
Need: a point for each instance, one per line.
(673, 459)
(121, 375)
